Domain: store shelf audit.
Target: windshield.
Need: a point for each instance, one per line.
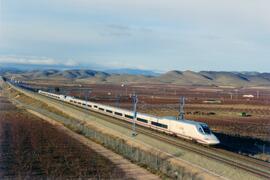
(206, 129)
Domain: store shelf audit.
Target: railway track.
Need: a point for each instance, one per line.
(259, 163)
(259, 168)
(254, 166)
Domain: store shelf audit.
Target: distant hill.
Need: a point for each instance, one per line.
(58, 74)
(132, 72)
(4, 70)
(204, 78)
(237, 78)
(185, 78)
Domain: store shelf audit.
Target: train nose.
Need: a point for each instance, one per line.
(214, 140)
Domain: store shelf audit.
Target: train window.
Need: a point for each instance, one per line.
(200, 130)
(159, 124)
(128, 116)
(84, 104)
(95, 107)
(79, 103)
(118, 114)
(71, 101)
(206, 129)
(101, 109)
(142, 120)
(89, 105)
(109, 111)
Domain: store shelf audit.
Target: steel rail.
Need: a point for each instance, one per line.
(253, 166)
(201, 150)
(208, 152)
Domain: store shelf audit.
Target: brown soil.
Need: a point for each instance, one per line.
(32, 148)
(162, 100)
(249, 134)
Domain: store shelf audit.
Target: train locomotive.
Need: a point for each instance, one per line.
(192, 130)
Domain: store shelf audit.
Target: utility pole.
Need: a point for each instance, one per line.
(134, 101)
(68, 92)
(80, 91)
(181, 115)
(236, 91)
(117, 101)
(90, 91)
(124, 85)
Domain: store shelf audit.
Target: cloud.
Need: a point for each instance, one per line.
(221, 11)
(70, 62)
(118, 30)
(52, 32)
(160, 33)
(33, 60)
(196, 10)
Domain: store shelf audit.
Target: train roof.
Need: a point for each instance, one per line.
(187, 121)
(165, 118)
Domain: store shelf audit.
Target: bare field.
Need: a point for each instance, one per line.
(224, 116)
(32, 148)
(163, 100)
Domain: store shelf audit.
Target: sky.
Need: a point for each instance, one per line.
(160, 35)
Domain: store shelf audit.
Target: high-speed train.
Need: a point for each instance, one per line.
(195, 131)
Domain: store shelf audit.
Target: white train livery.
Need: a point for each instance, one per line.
(195, 131)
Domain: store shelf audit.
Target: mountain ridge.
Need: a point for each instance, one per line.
(207, 78)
